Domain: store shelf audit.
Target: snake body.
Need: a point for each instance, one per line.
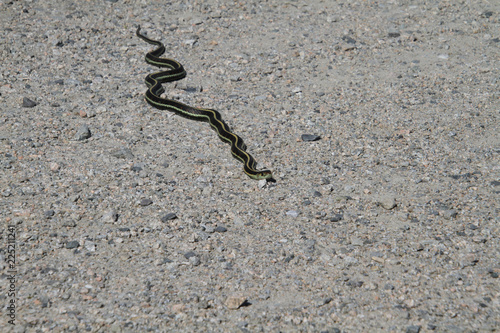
(175, 72)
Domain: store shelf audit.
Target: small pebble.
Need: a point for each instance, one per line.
(220, 229)
(189, 254)
(110, 216)
(28, 103)
(190, 42)
(387, 202)
(310, 137)
(336, 218)
(90, 246)
(83, 133)
(449, 214)
(320, 302)
(49, 213)
(168, 217)
(235, 302)
(393, 33)
(145, 202)
(72, 244)
(195, 260)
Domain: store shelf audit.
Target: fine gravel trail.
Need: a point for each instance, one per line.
(379, 121)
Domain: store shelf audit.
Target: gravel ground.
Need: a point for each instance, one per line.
(384, 216)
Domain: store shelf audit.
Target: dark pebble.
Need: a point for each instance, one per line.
(49, 213)
(189, 254)
(220, 229)
(28, 103)
(168, 217)
(413, 329)
(487, 14)
(310, 137)
(336, 218)
(72, 245)
(327, 300)
(145, 202)
(317, 194)
(136, 168)
(495, 183)
(393, 33)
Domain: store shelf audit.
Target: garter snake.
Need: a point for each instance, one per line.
(175, 72)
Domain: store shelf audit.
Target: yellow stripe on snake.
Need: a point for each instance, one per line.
(176, 72)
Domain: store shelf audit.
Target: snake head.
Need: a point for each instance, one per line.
(264, 174)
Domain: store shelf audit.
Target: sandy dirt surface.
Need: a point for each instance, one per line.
(379, 121)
